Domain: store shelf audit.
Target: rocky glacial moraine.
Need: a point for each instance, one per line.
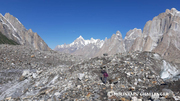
(27, 74)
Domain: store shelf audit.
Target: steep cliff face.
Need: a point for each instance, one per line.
(133, 36)
(155, 29)
(163, 34)
(162, 24)
(113, 45)
(12, 28)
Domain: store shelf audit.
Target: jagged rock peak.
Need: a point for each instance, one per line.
(10, 17)
(130, 38)
(92, 39)
(119, 35)
(7, 14)
(137, 29)
(30, 30)
(173, 11)
(80, 37)
(105, 39)
(133, 33)
(118, 32)
(167, 11)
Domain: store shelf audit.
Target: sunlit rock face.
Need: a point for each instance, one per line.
(12, 28)
(164, 36)
(113, 45)
(133, 40)
(160, 35)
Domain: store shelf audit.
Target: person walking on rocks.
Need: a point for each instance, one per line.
(105, 74)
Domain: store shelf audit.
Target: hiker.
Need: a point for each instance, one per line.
(105, 76)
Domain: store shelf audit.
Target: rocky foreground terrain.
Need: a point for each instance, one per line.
(27, 74)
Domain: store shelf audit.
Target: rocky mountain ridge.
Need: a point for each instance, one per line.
(161, 35)
(13, 29)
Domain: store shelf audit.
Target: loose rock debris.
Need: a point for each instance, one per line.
(28, 74)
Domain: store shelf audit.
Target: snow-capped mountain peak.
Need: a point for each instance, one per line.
(80, 43)
(80, 37)
(92, 39)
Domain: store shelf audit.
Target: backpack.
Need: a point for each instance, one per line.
(105, 75)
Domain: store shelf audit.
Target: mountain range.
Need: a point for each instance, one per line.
(159, 35)
(13, 29)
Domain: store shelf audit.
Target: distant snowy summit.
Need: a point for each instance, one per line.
(80, 42)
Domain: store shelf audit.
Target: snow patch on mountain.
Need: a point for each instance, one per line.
(10, 24)
(16, 36)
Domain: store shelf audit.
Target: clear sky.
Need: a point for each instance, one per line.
(62, 21)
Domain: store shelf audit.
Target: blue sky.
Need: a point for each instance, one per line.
(62, 21)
